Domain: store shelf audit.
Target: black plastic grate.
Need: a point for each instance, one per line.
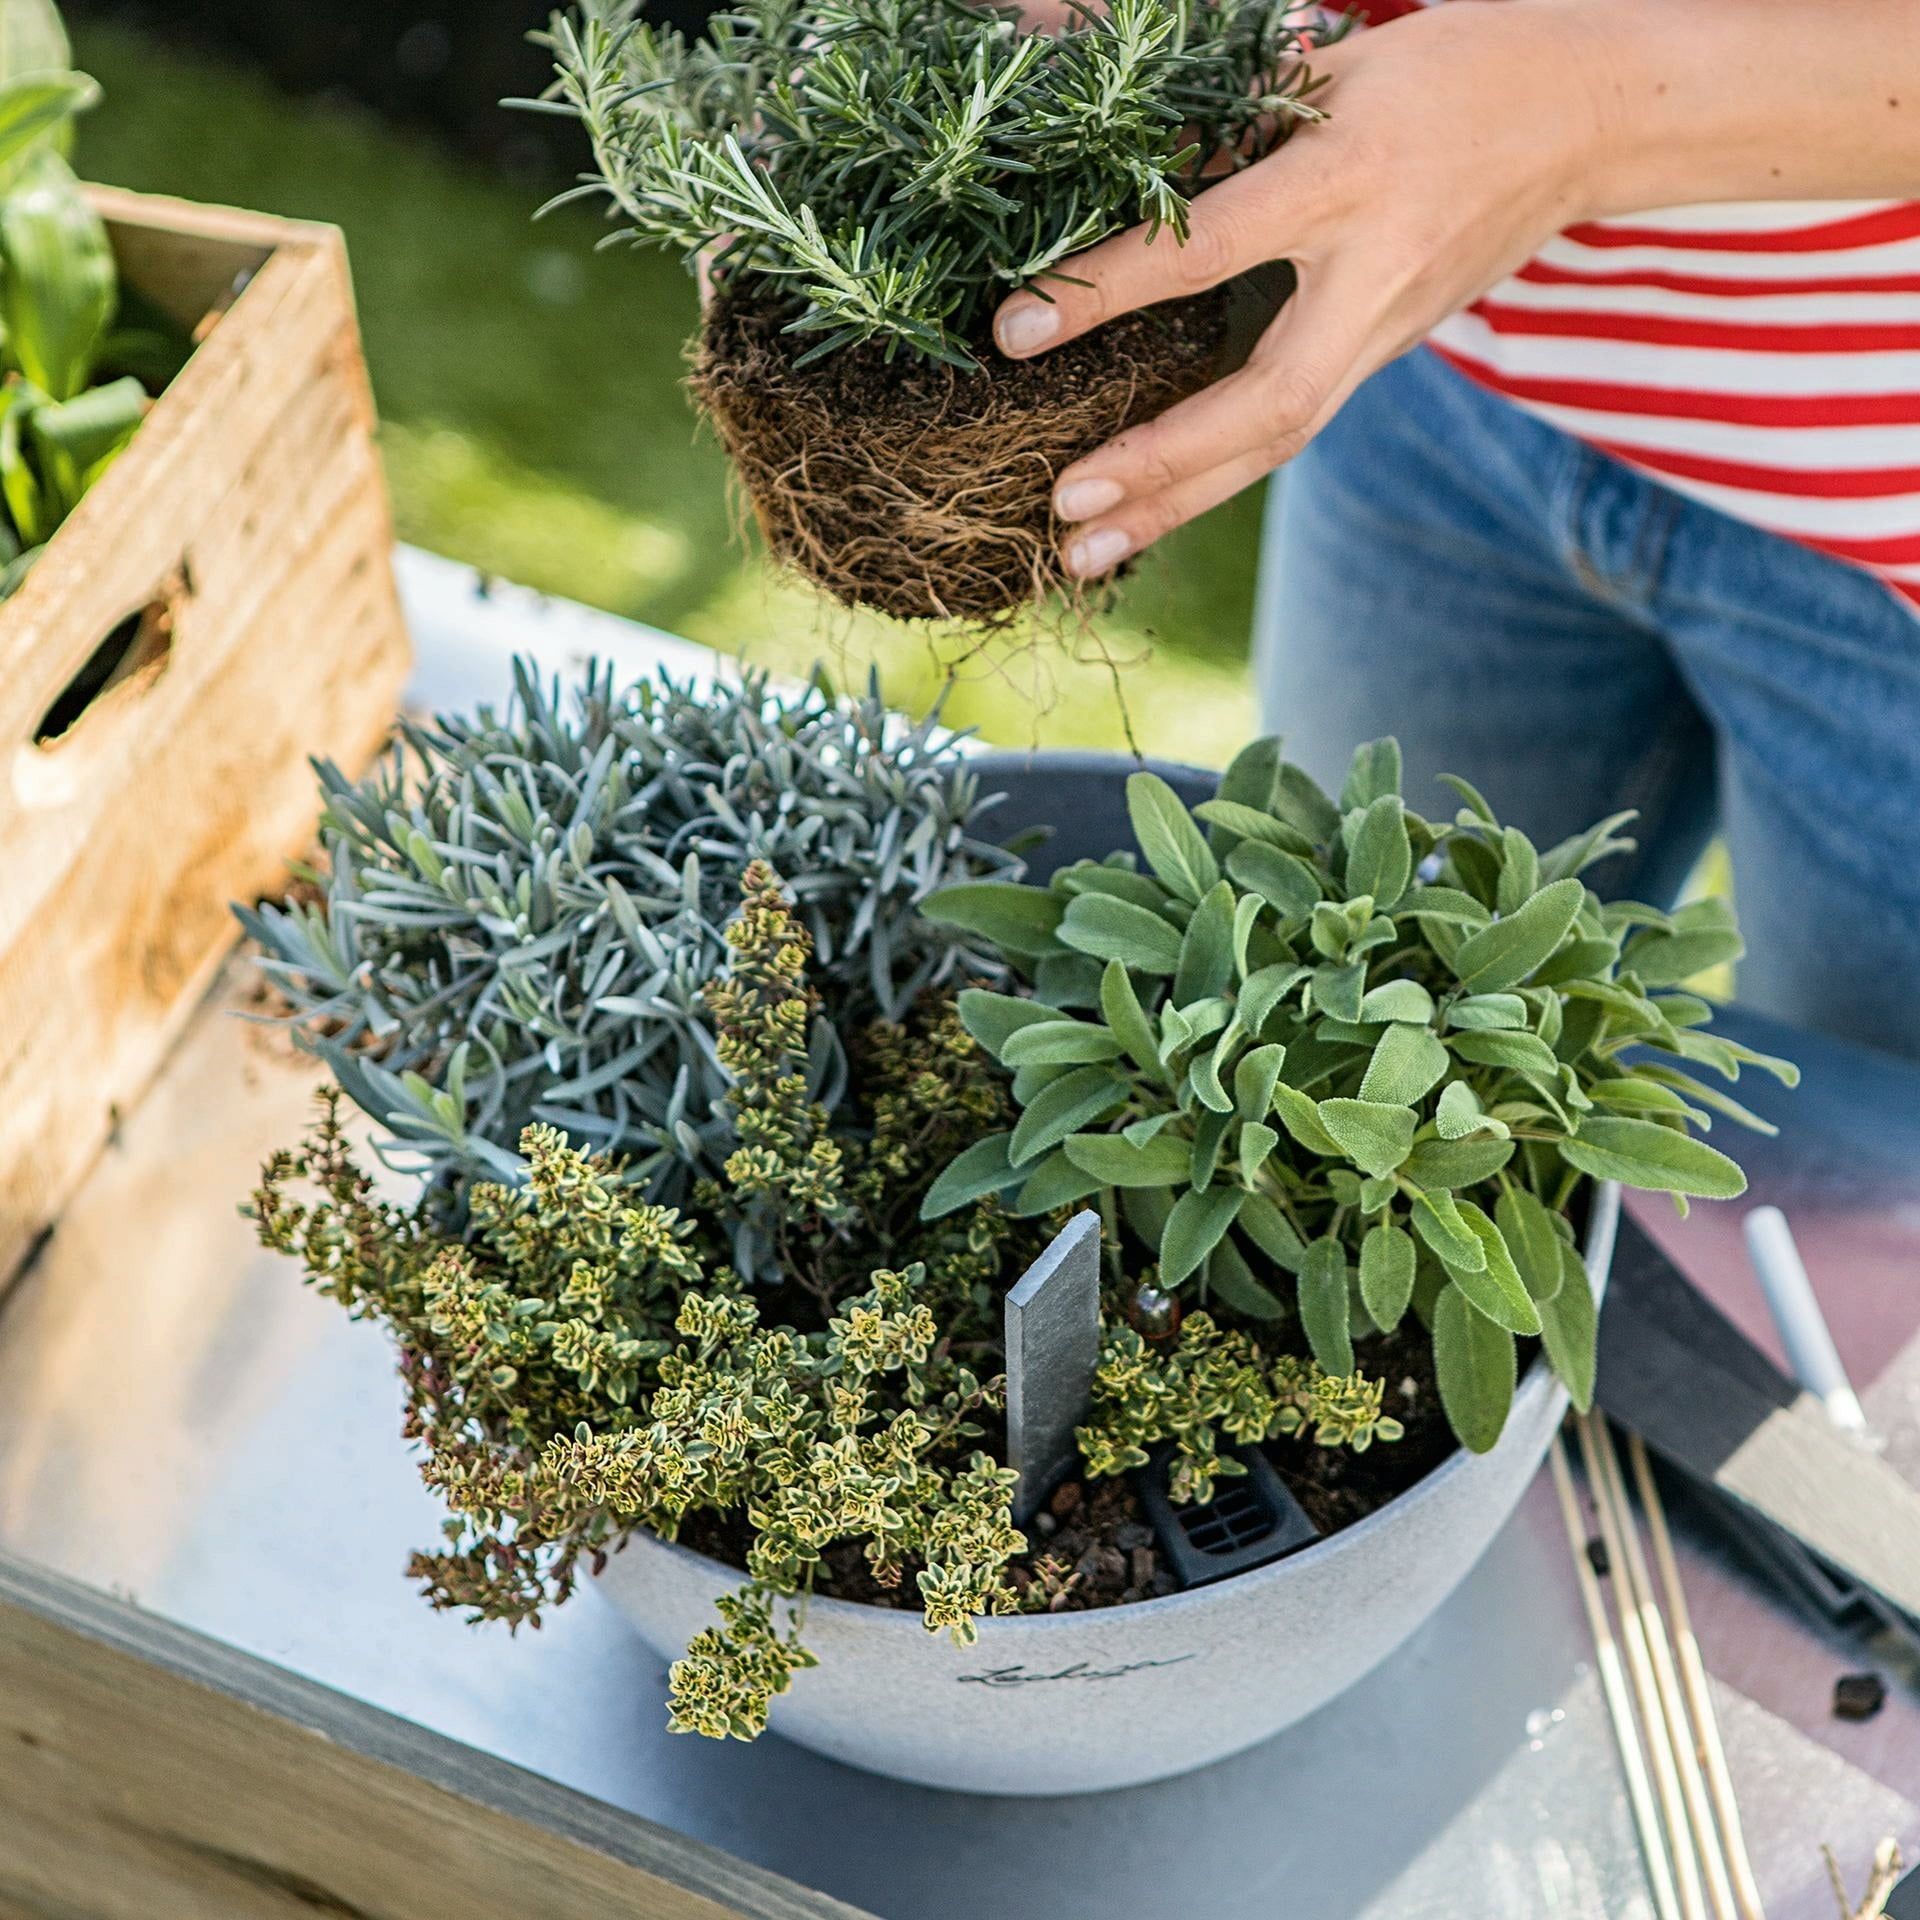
(1252, 1518)
(1234, 1519)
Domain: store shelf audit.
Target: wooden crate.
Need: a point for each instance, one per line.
(242, 545)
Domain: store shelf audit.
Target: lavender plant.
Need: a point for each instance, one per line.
(1373, 1053)
(521, 912)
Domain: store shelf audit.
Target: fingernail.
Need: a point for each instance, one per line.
(1098, 552)
(1023, 326)
(1082, 499)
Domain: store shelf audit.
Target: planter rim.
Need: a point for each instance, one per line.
(1538, 1383)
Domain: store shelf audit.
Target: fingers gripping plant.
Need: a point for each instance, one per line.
(864, 180)
(1374, 1053)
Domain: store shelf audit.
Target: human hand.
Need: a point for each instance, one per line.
(1459, 139)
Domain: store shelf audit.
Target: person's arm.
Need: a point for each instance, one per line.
(1460, 139)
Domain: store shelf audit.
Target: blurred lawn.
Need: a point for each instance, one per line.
(534, 424)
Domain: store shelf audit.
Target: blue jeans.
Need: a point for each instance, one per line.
(1575, 638)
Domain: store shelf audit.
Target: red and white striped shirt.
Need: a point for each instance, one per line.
(1764, 359)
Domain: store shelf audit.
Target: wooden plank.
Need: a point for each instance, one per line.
(250, 513)
(148, 1773)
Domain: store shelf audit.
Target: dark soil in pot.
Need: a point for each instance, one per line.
(918, 489)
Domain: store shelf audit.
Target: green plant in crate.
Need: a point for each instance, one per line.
(523, 912)
(1376, 1053)
(61, 424)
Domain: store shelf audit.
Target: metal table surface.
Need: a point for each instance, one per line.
(182, 1424)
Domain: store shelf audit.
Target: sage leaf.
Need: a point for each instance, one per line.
(1495, 1286)
(1446, 905)
(1534, 1241)
(1459, 1114)
(1017, 919)
(1137, 889)
(1375, 1135)
(1372, 775)
(994, 1018)
(1477, 1366)
(1052, 1043)
(1283, 880)
(1655, 1158)
(1379, 856)
(1483, 1012)
(1569, 1329)
(1387, 1263)
(1249, 823)
(1206, 951)
(1065, 980)
(1253, 773)
(1299, 802)
(1405, 1000)
(1231, 1279)
(1407, 1065)
(1054, 1183)
(1519, 1052)
(1175, 848)
(1519, 871)
(1471, 797)
(1068, 1105)
(1204, 1073)
(1257, 1142)
(1261, 992)
(1437, 1220)
(1272, 1232)
(1503, 954)
(1338, 989)
(1440, 1164)
(1128, 1019)
(1300, 1115)
(1165, 1161)
(1111, 929)
(984, 1168)
(1324, 1305)
(1194, 1228)
(1254, 1080)
(1703, 935)
(1209, 1136)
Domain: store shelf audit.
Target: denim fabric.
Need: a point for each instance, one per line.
(1575, 638)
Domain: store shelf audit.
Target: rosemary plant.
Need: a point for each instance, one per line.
(890, 169)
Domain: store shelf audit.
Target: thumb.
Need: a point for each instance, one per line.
(1228, 233)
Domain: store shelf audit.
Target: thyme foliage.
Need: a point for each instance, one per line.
(890, 169)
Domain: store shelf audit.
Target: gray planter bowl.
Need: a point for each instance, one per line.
(1080, 1702)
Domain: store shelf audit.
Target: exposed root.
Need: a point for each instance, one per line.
(921, 491)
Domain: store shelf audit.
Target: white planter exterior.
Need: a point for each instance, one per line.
(1079, 1702)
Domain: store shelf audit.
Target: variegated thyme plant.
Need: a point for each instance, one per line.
(1373, 1053)
(580, 1361)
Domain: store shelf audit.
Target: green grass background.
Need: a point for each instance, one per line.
(534, 424)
